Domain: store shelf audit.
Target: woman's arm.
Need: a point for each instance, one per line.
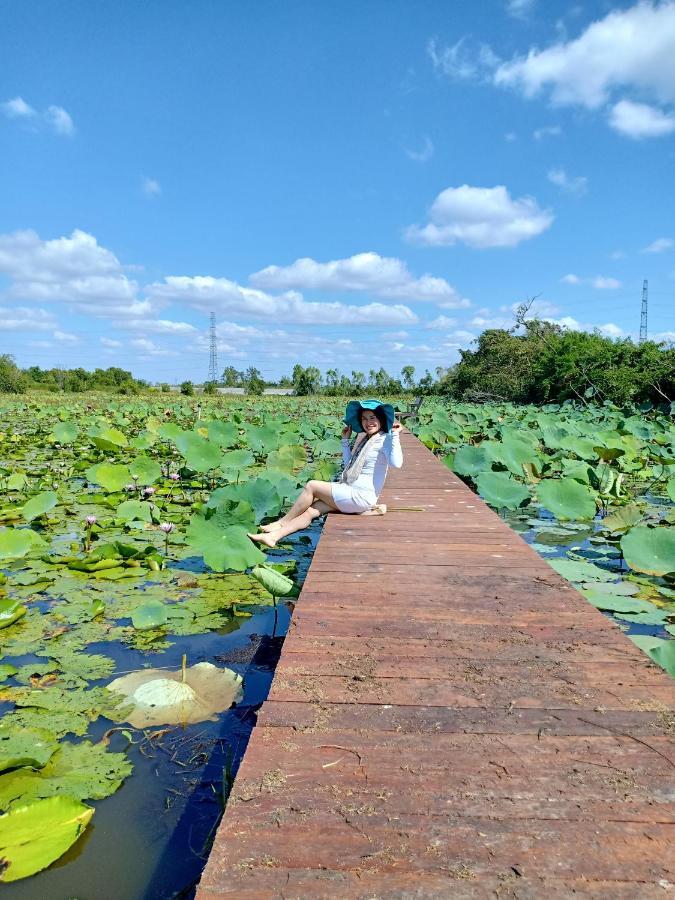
(392, 448)
(346, 449)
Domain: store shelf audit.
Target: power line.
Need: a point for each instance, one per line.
(643, 313)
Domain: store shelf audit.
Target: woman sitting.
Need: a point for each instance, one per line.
(377, 446)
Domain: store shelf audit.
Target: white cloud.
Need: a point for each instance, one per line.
(546, 131)
(24, 318)
(609, 329)
(150, 348)
(441, 323)
(155, 326)
(638, 120)
(207, 293)
(54, 117)
(602, 283)
(65, 337)
(667, 336)
(659, 245)
(74, 269)
(110, 342)
(151, 187)
(424, 154)
(486, 321)
(60, 120)
(617, 254)
(386, 277)
(461, 63)
(520, 9)
(510, 137)
(17, 109)
(480, 217)
(632, 48)
(394, 335)
(577, 184)
(599, 282)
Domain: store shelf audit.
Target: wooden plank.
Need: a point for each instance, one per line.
(450, 718)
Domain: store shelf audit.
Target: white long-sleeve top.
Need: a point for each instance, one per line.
(370, 482)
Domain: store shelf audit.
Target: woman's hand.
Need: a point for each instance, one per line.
(346, 432)
(396, 428)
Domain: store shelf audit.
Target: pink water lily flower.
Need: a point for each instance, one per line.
(149, 491)
(166, 527)
(90, 520)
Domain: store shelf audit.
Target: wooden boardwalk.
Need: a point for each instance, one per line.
(450, 719)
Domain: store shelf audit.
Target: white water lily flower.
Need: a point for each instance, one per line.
(181, 697)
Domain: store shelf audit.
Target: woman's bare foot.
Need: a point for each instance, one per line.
(264, 538)
(271, 526)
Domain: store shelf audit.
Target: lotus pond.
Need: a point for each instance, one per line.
(592, 489)
(139, 627)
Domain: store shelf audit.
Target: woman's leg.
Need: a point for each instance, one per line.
(312, 491)
(304, 520)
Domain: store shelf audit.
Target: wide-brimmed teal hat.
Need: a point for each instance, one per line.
(355, 407)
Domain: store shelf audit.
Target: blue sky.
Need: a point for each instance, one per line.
(348, 184)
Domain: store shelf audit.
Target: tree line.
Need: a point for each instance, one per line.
(533, 362)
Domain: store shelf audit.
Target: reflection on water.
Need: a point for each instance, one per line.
(150, 840)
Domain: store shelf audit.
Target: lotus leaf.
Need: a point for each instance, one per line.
(514, 454)
(287, 458)
(670, 488)
(502, 490)
(231, 512)
(162, 697)
(200, 454)
(259, 493)
(111, 477)
(84, 771)
(622, 518)
(145, 469)
(10, 611)
(652, 617)
(577, 571)
(662, 652)
(471, 461)
(110, 439)
(650, 550)
(150, 615)
(223, 549)
(134, 510)
(66, 432)
(566, 498)
(225, 434)
(32, 748)
(277, 584)
(617, 603)
(39, 505)
(34, 835)
(6, 671)
(237, 459)
(17, 542)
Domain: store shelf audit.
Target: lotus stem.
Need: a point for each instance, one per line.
(183, 668)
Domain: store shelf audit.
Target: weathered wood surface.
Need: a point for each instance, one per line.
(449, 718)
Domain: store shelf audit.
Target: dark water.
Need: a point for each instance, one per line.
(151, 839)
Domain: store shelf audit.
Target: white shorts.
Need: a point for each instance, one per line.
(349, 500)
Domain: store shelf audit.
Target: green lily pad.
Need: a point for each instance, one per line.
(146, 470)
(650, 550)
(470, 460)
(34, 835)
(223, 549)
(26, 748)
(501, 490)
(617, 603)
(10, 611)
(277, 584)
(566, 498)
(17, 542)
(39, 505)
(150, 615)
(65, 432)
(623, 518)
(111, 477)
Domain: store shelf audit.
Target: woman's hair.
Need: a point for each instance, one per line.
(381, 417)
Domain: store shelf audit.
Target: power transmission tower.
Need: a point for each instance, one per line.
(643, 314)
(213, 352)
